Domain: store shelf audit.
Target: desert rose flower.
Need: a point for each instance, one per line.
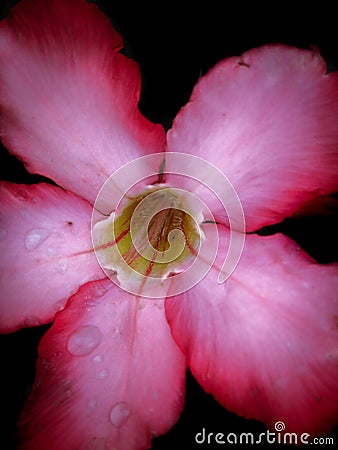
(111, 369)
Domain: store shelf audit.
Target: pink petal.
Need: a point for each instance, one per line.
(109, 375)
(69, 98)
(264, 343)
(268, 120)
(46, 252)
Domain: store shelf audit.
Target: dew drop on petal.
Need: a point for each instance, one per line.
(103, 374)
(119, 414)
(46, 364)
(21, 195)
(84, 340)
(59, 305)
(68, 393)
(92, 404)
(62, 265)
(35, 237)
(97, 359)
(97, 294)
(51, 251)
(98, 290)
(32, 321)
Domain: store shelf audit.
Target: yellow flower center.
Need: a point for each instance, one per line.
(152, 236)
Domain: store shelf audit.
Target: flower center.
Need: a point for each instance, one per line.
(154, 235)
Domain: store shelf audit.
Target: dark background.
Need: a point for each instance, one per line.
(174, 48)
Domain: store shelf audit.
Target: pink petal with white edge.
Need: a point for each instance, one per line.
(109, 375)
(68, 97)
(46, 252)
(268, 120)
(265, 343)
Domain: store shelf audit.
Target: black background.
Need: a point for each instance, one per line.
(174, 47)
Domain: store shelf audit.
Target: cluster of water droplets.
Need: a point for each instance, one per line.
(83, 342)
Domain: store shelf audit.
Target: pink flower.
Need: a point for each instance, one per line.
(111, 370)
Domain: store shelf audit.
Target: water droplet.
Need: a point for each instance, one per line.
(119, 414)
(3, 233)
(22, 195)
(67, 383)
(32, 321)
(99, 289)
(62, 265)
(67, 386)
(35, 237)
(97, 359)
(47, 365)
(51, 251)
(103, 374)
(91, 405)
(60, 305)
(96, 294)
(84, 340)
(68, 393)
